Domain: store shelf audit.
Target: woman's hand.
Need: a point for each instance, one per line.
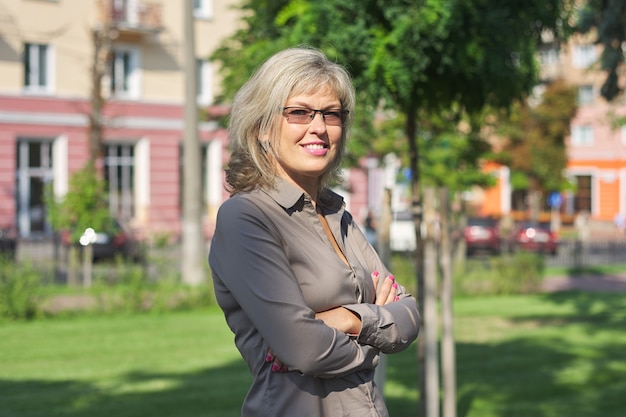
(345, 320)
(387, 292)
(277, 365)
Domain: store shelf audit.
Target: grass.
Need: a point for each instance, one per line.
(175, 364)
(542, 355)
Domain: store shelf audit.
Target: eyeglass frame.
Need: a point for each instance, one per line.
(342, 112)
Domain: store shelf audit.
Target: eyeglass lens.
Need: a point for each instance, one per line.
(303, 115)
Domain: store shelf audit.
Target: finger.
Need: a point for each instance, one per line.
(391, 297)
(375, 277)
(278, 366)
(270, 356)
(384, 291)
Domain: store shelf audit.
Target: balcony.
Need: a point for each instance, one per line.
(132, 20)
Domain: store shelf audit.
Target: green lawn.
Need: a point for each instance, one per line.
(550, 355)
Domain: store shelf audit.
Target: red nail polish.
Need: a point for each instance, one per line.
(394, 285)
(375, 273)
(275, 367)
(396, 299)
(268, 358)
(391, 277)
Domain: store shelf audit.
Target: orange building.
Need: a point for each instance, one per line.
(596, 146)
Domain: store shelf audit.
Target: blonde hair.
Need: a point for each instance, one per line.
(257, 111)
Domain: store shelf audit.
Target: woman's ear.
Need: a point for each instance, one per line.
(264, 141)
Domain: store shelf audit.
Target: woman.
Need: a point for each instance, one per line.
(295, 276)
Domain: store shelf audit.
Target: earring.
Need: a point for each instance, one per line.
(265, 144)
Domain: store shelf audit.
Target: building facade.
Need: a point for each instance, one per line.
(596, 146)
(55, 55)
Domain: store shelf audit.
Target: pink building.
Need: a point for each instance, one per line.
(47, 54)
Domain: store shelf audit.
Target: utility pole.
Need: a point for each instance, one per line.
(193, 247)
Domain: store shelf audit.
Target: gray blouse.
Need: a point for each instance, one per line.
(273, 268)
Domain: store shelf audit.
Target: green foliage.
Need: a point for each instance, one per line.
(19, 291)
(521, 273)
(535, 138)
(421, 59)
(607, 17)
(85, 205)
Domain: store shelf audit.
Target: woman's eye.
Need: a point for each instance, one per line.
(299, 112)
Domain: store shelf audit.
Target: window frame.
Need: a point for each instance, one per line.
(203, 9)
(204, 70)
(131, 73)
(582, 136)
(34, 70)
(584, 55)
(586, 94)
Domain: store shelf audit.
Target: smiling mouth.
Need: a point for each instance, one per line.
(315, 146)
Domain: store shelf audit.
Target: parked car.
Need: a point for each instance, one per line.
(8, 242)
(117, 241)
(535, 237)
(482, 235)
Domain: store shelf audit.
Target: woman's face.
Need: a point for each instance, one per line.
(306, 151)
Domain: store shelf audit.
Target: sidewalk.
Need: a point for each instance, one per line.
(598, 283)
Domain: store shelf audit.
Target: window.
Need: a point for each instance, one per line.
(119, 173)
(584, 56)
(124, 73)
(585, 94)
(205, 79)
(203, 9)
(37, 67)
(582, 136)
(549, 57)
(34, 171)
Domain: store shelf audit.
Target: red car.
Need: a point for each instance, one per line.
(535, 237)
(482, 234)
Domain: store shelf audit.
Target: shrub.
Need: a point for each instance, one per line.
(520, 273)
(20, 291)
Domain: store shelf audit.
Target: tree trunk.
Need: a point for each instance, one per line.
(87, 265)
(193, 256)
(416, 211)
(448, 361)
(102, 51)
(72, 265)
(429, 317)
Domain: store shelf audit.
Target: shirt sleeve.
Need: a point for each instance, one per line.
(248, 257)
(392, 327)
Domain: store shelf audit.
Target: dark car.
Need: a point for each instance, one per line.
(8, 242)
(118, 241)
(482, 235)
(535, 237)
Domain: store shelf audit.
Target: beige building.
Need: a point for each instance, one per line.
(53, 53)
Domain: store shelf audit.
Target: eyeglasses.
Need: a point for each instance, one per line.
(304, 115)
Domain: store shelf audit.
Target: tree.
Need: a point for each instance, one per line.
(535, 142)
(608, 18)
(84, 206)
(411, 58)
